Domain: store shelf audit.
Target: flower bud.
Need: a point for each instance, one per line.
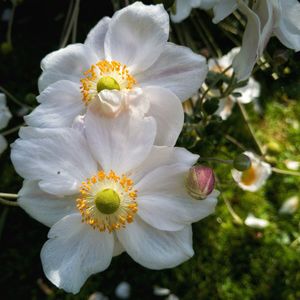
(242, 162)
(200, 181)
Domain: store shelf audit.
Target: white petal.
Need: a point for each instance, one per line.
(257, 223)
(61, 160)
(66, 64)
(290, 205)
(163, 156)
(245, 60)
(249, 92)
(75, 251)
(123, 290)
(95, 38)
(225, 107)
(267, 14)
(288, 29)
(168, 113)
(61, 103)
(164, 202)
(156, 249)
(3, 143)
(46, 208)
(5, 114)
(118, 248)
(178, 69)
(119, 143)
(207, 4)
(183, 10)
(137, 35)
(223, 9)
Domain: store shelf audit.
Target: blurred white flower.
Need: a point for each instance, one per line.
(184, 8)
(253, 178)
(249, 92)
(122, 66)
(172, 297)
(266, 18)
(257, 223)
(290, 205)
(98, 296)
(123, 290)
(5, 116)
(104, 191)
(160, 291)
(292, 165)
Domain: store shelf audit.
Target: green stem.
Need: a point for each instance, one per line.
(250, 128)
(11, 130)
(8, 202)
(9, 195)
(214, 83)
(223, 161)
(71, 24)
(285, 172)
(10, 24)
(13, 98)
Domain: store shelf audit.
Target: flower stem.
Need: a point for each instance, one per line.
(71, 24)
(8, 195)
(12, 130)
(285, 172)
(10, 24)
(8, 202)
(13, 98)
(223, 161)
(250, 128)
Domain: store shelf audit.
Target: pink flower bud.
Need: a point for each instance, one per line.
(200, 181)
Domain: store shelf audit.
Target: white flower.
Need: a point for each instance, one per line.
(123, 290)
(292, 165)
(129, 194)
(257, 223)
(290, 205)
(267, 18)
(125, 63)
(5, 116)
(252, 179)
(184, 8)
(160, 291)
(249, 92)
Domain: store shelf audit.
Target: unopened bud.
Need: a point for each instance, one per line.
(242, 162)
(200, 182)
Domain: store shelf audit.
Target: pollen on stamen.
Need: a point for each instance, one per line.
(123, 186)
(104, 68)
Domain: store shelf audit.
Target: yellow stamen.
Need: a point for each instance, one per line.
(107, 201)
(105, 75)
(249, 176)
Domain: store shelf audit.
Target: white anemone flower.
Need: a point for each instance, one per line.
(249, 92)
(253, 178)
(266, 18)
(105, 189)
(125, 62)
(256, 223)
(184, 8)
(5, 116)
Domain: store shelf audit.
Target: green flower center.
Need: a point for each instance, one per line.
(107, 201)
(107, 83)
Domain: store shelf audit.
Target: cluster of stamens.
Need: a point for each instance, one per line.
(117, 73)
(124, 210)
(249, 176)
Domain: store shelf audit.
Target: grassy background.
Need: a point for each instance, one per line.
(231, 261)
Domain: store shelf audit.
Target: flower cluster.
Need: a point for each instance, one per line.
(106, 176)
(265, 18)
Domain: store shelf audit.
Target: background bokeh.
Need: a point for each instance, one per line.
(231, 261)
